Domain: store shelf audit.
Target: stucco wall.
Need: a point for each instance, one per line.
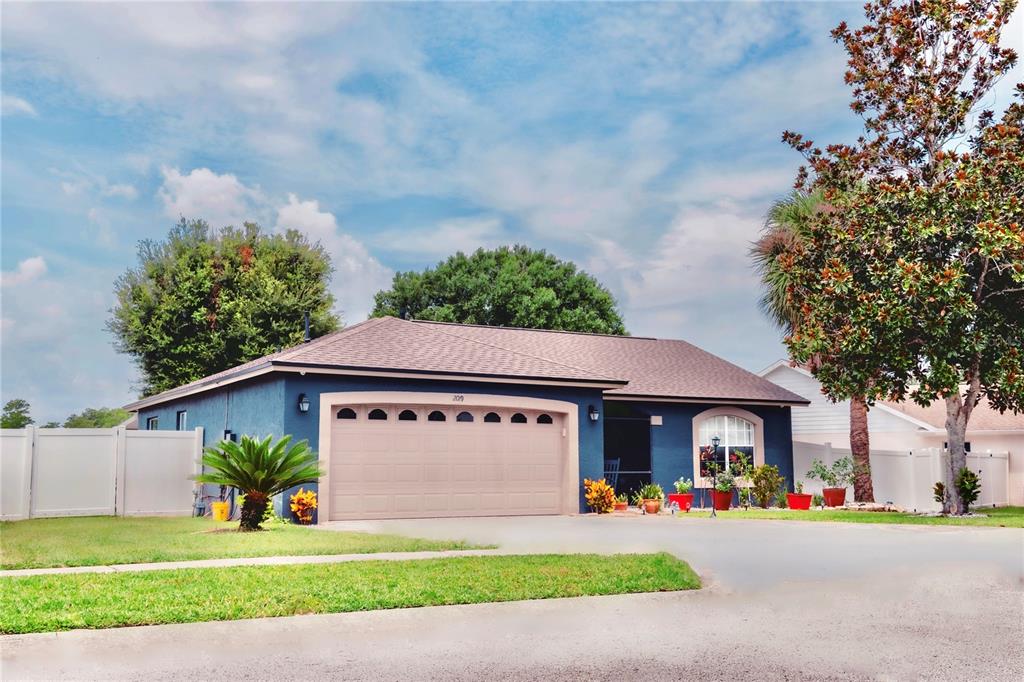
(269, 405)
(591, 436)
(253, 408)
(672, 442)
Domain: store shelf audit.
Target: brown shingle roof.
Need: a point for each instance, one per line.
(983, 418)
(652, 367)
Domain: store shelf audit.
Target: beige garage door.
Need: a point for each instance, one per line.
(403, 461)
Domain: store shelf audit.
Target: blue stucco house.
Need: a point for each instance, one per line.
(414, 418)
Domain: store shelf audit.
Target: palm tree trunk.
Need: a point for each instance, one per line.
(860, 447)
(253, 508)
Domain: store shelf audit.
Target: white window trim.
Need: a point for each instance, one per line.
(700, 418)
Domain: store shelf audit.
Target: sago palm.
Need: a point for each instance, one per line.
(260, 470)
(786, 231)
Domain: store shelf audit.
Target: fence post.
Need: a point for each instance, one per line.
(28, 474)
(197, 487)
(912, 478)
(120, 469)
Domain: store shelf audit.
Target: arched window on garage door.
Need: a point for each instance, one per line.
(545, 419)
(492, 418)
(436, 416)
(407, 416)
(346, 413)
(518, 418)
(464, 417)
(377, 414)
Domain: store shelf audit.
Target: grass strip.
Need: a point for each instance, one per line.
(1008, 517)
(63, 602)
(104, 540)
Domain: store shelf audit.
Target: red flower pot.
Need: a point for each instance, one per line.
(798, 500)
(621, 506)
(652, 506)
(684, 500)
(834, 497)
(722, 501)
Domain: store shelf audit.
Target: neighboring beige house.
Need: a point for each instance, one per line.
(901, 426)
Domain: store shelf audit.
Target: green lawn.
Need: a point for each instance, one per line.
(1011, 517)
(98, 540)
(61, 602)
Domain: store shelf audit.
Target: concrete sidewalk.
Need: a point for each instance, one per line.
(254, 561)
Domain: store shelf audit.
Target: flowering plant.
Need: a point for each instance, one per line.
(599, 495)
(683, 485)
(724, 482)
(303, 503)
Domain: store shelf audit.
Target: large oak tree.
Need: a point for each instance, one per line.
(508, 286)
(207, 300)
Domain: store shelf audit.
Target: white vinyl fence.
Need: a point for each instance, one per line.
(906, 478)
(97, 472)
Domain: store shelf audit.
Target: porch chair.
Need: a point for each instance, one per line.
(611, 472)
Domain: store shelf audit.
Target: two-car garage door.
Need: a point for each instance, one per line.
(403, 461)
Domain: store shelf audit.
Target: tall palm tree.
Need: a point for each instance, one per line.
(786, 229)
(260, 470)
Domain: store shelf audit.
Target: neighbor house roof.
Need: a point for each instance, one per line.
(625, 366)
(984, 417)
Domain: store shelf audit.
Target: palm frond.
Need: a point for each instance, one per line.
(260, 466)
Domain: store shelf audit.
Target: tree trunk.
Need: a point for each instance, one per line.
(956, 435)
(860, 447)
(253, 508)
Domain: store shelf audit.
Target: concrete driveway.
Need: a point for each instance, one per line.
(786, 601)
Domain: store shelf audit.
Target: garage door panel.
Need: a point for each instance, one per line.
(404, 469)
(408, 473)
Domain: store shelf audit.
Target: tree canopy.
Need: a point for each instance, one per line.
(207, 300)
(508, 286)
(911, 282)
(97, 418)
(16, 414)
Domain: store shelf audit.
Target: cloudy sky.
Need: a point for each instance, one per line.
(639, 140)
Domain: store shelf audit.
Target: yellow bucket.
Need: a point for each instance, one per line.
(220, 511)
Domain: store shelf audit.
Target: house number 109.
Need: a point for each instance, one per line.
(458, 398)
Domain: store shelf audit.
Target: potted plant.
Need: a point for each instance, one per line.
(682, 497)
(798, 500)
(649, 498)
(721, 495)
(835, 479)
(621, 502)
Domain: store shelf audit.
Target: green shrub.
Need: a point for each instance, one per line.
(765, 482)
(968, 486)
(839, 475)
(818, 500)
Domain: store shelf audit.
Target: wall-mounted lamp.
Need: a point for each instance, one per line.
(715, 440)
(593, 413)
(303, 403)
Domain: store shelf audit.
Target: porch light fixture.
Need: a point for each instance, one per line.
(303, 403)
(593, 413)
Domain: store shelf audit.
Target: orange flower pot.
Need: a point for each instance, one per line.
(652, 506)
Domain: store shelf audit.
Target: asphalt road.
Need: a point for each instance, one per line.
(785, 601)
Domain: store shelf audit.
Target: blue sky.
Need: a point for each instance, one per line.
(639, 140)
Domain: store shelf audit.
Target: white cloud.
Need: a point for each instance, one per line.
(124, 191)
(27, 270)
(445, 238)
(10, 105)
(203, 194)
(357, 274)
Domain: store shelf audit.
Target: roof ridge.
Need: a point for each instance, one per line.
(349, 331)
(518, 352)
(534, 329)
